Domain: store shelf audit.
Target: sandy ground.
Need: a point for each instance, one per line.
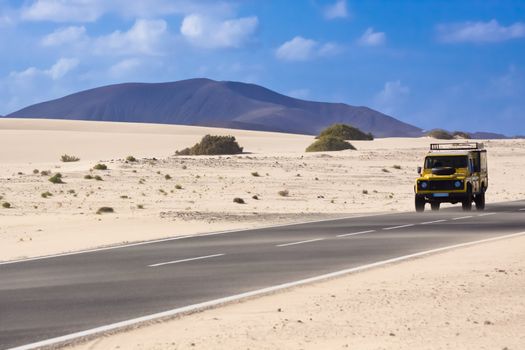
(469, 298)
(162, 195)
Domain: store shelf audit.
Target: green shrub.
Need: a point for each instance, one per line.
(255, 174)
(100, 167)
(56, 179)
(131, 159)
(167, 177)
(461, 135)
(345, 132)
(329, 143)
(283, 193)
(105, 210)
(440, 134)
(212, 145)
(67, 158)
(46, 194)
(140, 206)
(178, 187)
(98, 178)
(256, 197)
(45, 172)
(398, 167)
(35, 171)
(6, 205)
(88, 177)
(239, 200)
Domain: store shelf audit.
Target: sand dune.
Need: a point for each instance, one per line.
(197, 195)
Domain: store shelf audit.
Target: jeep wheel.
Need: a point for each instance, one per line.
(467, 202)
(435, 206)
(420, 204)
(480, 201)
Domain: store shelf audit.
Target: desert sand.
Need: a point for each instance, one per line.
(163, 195)
(464, 299)
(469, 298)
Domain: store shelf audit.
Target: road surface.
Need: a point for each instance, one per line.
(55, 296)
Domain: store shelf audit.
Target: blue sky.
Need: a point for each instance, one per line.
(458, 65)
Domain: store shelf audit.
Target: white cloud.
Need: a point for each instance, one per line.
(83, 11)
(124, 67)
(61, 68)
(144, 37)
(64, 10)
(336, 10)
(208, 32)
(391, 97)
(55, 72)
(66, 35)
(6, 21)
(371, 38)
(480, 32)
(302, 49)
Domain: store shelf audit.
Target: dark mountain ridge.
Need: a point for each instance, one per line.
(206, 102)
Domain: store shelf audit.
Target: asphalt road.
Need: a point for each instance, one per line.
(55, 296)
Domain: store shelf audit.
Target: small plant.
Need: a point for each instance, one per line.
(167, 177)
(46, 194)
(398, 167)
(385, 170)
(100, 166)
(184, 167)
(256, 197)
(71, 191)
(105, 210)
(45, 172)
(98, 178)
(365, 191)
(440, 134)
(329, 143)
(6, 205)
(212, 145)
(56, 179)
(178, 187)
(239, 200)
(255, 174)
(131, 159)
(124, 197)
(283, 193)
(36, 171)
(67, 158)
(140, 206)
(345, 132)
(88, 177)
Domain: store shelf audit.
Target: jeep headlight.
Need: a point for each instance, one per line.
(423, 185)
(458, 184)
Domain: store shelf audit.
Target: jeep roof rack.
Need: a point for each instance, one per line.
(459, 146)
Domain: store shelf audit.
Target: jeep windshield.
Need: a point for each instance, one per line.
(446, 162)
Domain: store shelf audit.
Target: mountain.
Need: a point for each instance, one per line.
(487, 135)
(206, 102)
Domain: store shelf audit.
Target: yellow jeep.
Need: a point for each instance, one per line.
(453, 173)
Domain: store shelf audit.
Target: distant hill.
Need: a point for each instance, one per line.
(206, 102)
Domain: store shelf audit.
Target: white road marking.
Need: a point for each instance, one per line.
(486, 214)
(463, 217)
(356, 233)
(185, 260)
(433, 222)
(402, 226)
(126, 245)
(70, 338)
(301, 242)
(522, 209)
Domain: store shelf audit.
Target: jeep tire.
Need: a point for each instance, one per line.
(435, 206)
(420, 204)
(466, 204)
(480, 201)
